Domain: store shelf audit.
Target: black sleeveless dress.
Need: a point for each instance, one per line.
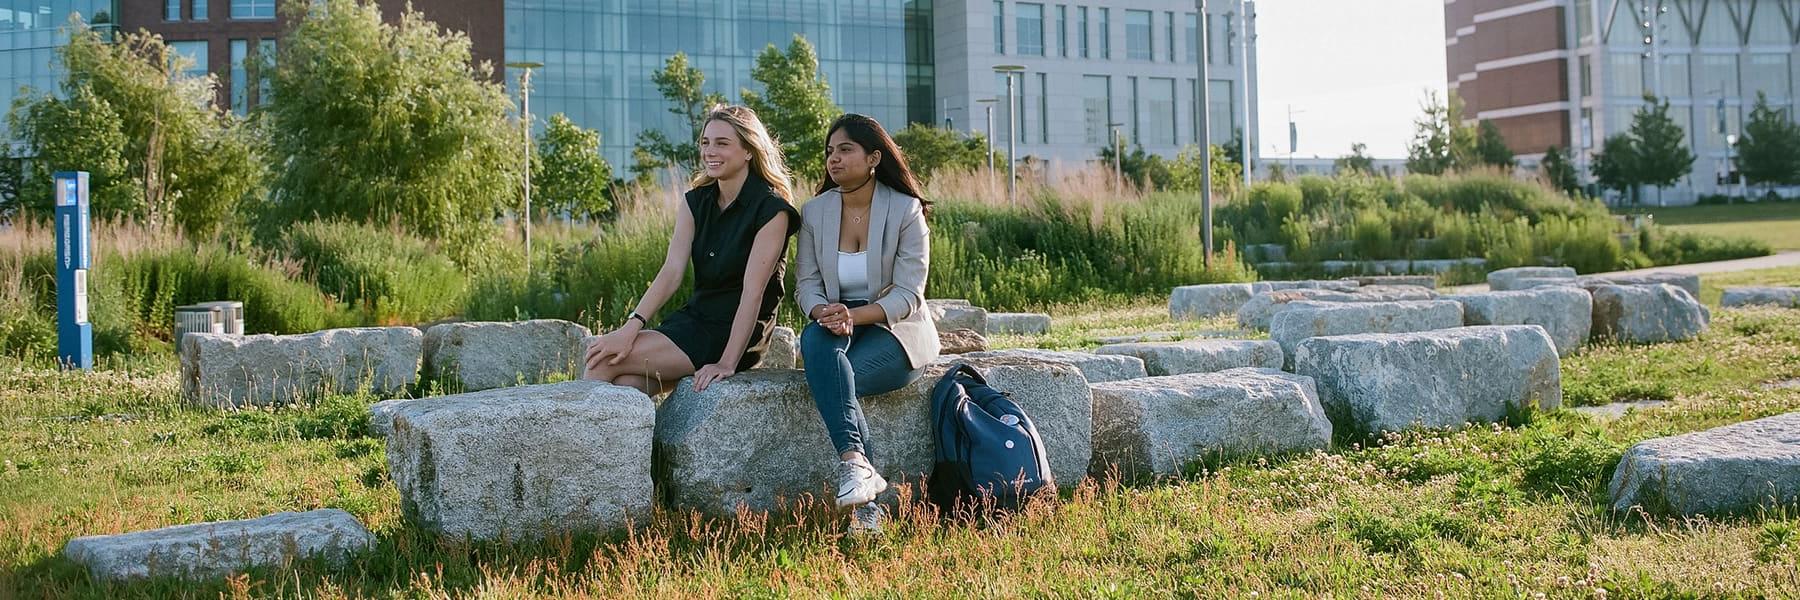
(720, 255)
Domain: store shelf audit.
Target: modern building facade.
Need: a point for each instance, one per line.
(30, 33)
(1571, 73)
(1090, 69)
(1094, 69)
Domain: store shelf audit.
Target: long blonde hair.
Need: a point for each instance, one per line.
(765, 153)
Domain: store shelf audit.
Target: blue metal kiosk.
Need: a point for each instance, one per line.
(74, 335)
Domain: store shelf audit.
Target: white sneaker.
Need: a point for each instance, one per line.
(858, 483)
(866, 520)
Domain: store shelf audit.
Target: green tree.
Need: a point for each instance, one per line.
(1662, 156)
(389, 123)
(1358, 161)
(1183, 173)
(1769, 152)
(1490, 147)
(568, 174)
(931, 150)
(155, 146)
(684, 86)
(1616, 166)
(1134, 164)
(795, 104)
(1441, 141)
(1558, 172)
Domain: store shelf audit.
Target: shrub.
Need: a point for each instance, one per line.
(1670, 247)
(391, 276)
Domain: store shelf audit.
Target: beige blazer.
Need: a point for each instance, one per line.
(899, 258)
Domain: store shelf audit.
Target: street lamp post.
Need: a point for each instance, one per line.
(1118, 163)
(525, 122)
(987, 105)
(1245, 18)
(1200, 106)
(1012, 132)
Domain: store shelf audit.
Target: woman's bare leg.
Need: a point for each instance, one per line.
(654, 363)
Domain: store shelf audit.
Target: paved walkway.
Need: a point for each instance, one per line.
(1781, 259)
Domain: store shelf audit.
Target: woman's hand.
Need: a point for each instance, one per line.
(711, 374)
(835, 318)
(612, 347)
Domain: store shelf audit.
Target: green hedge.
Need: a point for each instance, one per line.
(392, 277)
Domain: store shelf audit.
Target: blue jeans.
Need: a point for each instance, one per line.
(840, 369)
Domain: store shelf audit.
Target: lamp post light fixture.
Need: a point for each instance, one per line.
(525, 121)
(1012, 132)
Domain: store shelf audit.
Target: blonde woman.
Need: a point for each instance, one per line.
(860, 268)
(734, 226)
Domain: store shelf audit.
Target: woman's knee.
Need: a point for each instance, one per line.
(815, 339)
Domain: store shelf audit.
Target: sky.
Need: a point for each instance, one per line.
(1353, 71)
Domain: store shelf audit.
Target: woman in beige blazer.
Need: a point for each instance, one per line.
(860, 265)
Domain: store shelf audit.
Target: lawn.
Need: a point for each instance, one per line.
(1775, 223)
(1493, 511)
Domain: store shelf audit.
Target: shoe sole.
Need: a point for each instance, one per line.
(858, 500)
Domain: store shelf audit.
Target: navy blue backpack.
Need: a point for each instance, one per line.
(986, 445)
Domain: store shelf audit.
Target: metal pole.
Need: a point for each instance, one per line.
(1118, 162)
(1201, 107)
(525, 95)
(1012, 139)
(1244, 64)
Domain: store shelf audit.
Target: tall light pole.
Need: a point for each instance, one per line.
(525, 122)
(1201, 107)
(1245, 38)
(1012, 132)
(987, 104)
(1118, 151)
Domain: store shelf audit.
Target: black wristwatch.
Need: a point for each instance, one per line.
(639, 317)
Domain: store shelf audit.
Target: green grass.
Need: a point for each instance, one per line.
(1491, 512)
(1777, 224)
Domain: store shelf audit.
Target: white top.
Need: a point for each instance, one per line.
(853, 275)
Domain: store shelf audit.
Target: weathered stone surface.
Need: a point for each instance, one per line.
(484, 355)
(1261, 308)
(1210, 300)
(228, 370)
(1304, 320)
(1097, 368)
(524, 461)
(960, 341)
(951, 316)
(756, 438)
(1526, 283)
(1508, 279)
(1018, 324)
(1340, 285)
(949, 301)
(1159, 424)
(1388, 382)
(1647, 314)
(1425, 281)
(205, 550)
(1787, 297)
(1685, 281)
(1199, 356)
(1733, 469)
(1566, 313)
(783, 352)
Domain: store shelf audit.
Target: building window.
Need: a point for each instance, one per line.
(252, 9)
(1137, 35)
(1135, 122)
(1043, 98)
(1161, 100)
(1031, 29)
(194, 52)
(1169, 37)
(1223, 113)
(1625, 75)
(1717, 75)
(999, 27)
(1096, 105)
(1587, 76)
(1212, 42)
(240, 98)
(1106, 34)
(172, 10)
(1768, 74)
(1193, 38)
(1584, 21)
(199, 10)
(1675, 79)
(265, 65)
(1081, 29)
(1062, 30)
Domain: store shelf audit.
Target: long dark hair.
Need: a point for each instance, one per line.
(892, 170)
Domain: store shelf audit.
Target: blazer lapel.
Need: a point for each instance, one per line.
(878, 209)
(827, 241)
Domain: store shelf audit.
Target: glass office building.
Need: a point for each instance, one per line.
(599, 56)
(31, 31)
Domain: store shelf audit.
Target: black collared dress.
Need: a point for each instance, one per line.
(720, 255)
